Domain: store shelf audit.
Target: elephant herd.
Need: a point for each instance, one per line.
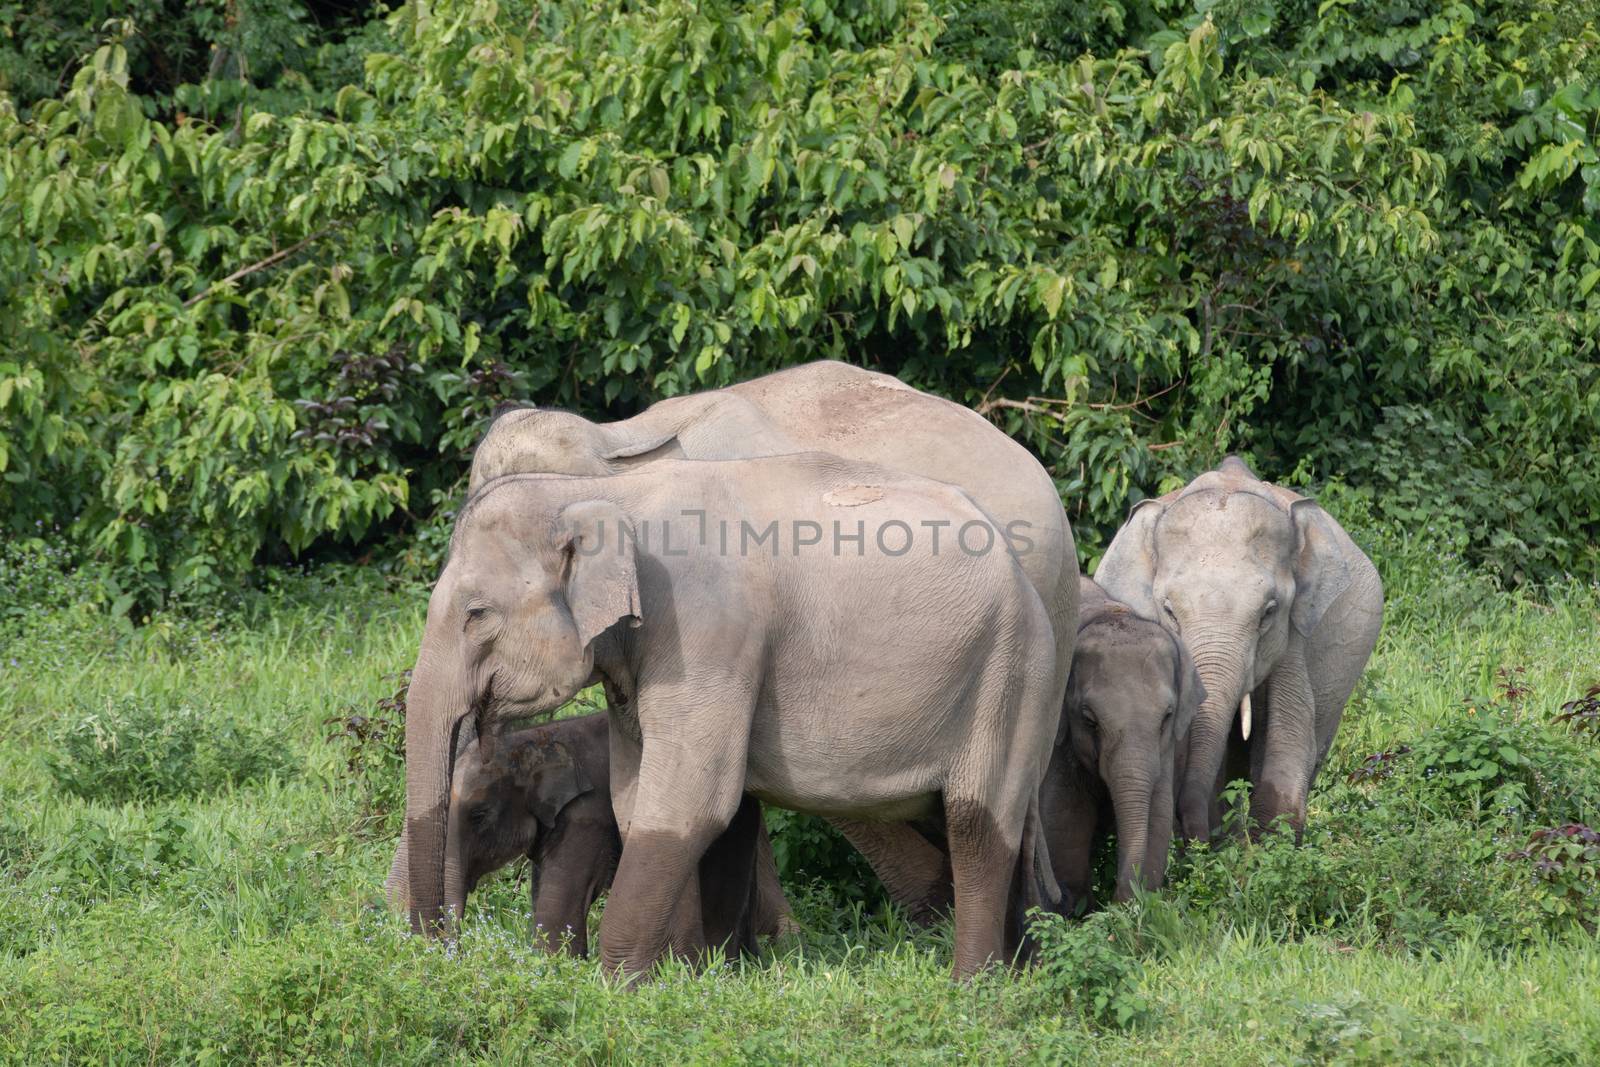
(825, 590)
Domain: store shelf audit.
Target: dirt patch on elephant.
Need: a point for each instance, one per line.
(851, 496)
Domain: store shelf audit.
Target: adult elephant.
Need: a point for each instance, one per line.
(827, 406)
(885, 681)
(1280, 611)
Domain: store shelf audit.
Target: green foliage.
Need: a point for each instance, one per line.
(1492, 762)
(1082, 963)
(245, 329)
(132, 750)
(1566, 861)
(203, 57)
(807, 848)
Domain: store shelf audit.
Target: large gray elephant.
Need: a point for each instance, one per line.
(871, 676)
(1280, 611)
(1131, 698)
(546, 795)
(826, 406)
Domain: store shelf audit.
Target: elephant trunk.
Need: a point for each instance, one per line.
(432, 713)
(455, 867)
(1221, 666)
(1130, 797)
(1160, 840)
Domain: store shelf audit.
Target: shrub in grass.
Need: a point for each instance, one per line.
(1090, 965)
(96, 860)
(1371, 869)
(135, 751)
(1353, 1032)
(1493, 762)
(374, 744)
(1565, 861)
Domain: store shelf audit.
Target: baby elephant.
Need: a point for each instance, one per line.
(545, 794)
(1131, 696)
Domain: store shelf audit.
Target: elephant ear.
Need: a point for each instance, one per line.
(637, 446)
(601, 581)
(1321, 569)
(1191, 693)
(1127, 571)
(554, 779)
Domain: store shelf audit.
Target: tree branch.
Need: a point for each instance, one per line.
(271, 261)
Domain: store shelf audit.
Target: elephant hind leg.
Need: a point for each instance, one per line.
(914, 871)
(984, 851)
(771, 914)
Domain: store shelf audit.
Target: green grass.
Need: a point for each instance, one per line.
(243, 921)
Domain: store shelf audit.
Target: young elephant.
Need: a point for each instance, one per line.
(1131, 697)
(545, 794)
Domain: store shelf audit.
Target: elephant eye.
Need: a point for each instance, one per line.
(478, 815)
(1268, 611)
(1172, 616)
(476, 615)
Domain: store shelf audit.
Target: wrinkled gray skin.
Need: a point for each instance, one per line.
(546, 795)
(1131, 698)
(828, 406)
(1280, 611)
(859, 686)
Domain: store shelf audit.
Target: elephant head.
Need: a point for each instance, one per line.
(715, 425)
(510, 634)
(1131, 698)
(516, 803)
(529, 440)
(1239, 570)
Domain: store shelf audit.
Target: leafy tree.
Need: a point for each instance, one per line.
(256, 318)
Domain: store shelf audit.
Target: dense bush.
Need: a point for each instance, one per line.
(1350, 239)
(134, 750)
(1083, 963)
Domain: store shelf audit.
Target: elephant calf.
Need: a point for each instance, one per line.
(1131, 697)
(545, 793)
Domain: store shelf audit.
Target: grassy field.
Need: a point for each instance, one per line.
(192, 853)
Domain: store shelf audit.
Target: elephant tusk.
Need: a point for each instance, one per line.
(1244, 716)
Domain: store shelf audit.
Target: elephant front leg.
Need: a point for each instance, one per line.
(1289, 759)
(984, 847)
(1070, 813)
